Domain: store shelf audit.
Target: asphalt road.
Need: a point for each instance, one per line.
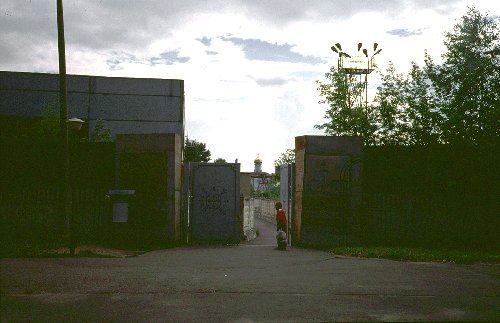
(251, 282)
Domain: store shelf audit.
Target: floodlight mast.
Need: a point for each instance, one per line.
(354, 67)
(370, 67)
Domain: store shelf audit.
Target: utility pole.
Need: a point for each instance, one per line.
(63, 116)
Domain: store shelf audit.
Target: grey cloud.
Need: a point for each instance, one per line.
(256, 49)
(168, 58)
(165, 58)
(210, 52)
(115, 62)
(404, 32)
(103, 26)
(205, 40)
(280, 12)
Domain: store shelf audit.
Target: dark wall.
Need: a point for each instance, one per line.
(431, 196)
(37, 163)
(126, 105)
(31, 185)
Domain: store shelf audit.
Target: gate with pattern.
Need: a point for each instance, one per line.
(214, 202)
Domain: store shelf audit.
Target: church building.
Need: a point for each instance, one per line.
(260, 179)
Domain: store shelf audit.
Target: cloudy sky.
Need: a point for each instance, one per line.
(249, 65)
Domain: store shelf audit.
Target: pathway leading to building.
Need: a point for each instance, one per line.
(252, 282)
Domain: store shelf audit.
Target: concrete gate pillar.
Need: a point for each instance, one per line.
(328, 190)
(150, 164)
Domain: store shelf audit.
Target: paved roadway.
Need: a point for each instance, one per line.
(252, 282)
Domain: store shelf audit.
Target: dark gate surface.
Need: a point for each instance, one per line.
(214, 210)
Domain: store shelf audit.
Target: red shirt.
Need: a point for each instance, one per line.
(281, 217)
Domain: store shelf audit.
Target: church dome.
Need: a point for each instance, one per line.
(257, 160)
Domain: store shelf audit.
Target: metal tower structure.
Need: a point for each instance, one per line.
(357, 65)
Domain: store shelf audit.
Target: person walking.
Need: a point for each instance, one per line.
(281, 226)
(280, 217)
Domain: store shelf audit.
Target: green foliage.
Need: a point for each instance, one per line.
(346, 115)
(101, 133)
(195, 151)
(220, 161)
(406, 109)
(288, 157)
(272, 192)
(49, 128)
(455, 102)
(467, 83)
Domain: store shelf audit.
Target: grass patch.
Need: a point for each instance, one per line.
(419, 254)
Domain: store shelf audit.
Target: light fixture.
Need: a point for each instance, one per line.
(75, 124)
(375, 45)
(334, 49)
(365, 51)
(359, 46)
(338, 46)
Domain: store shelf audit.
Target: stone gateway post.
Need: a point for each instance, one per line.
(327, 190)
(150, 164)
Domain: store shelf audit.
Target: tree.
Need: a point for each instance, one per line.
(406, 109)
(288, 157)
(422, 111)
(220, 161)
(391, 119)
(467, 83)
(456, 101)
(49, 128)
(101, 133)
(346, 115)
(195, 151)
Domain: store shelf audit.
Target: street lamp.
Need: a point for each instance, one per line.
(75, 124)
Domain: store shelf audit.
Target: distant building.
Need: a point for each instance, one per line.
(260, 179)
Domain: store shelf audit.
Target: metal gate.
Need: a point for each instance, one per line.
(214, 202)
(286, 195)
